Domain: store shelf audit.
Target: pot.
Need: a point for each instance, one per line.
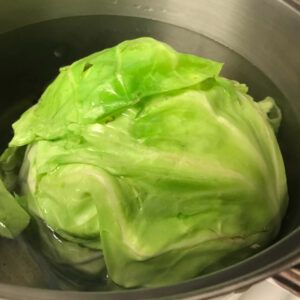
(259, 42)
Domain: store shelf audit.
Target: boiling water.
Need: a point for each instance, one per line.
(30, 58)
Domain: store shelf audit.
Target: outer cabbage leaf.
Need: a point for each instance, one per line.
(107, 82)
(13, 218)
(64, 254)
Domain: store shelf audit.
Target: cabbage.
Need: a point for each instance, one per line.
(152, 158)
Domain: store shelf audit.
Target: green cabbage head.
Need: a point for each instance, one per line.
(152, 158)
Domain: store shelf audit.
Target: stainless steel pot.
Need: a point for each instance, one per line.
(259, 40)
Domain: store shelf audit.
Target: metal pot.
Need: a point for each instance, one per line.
(259, 42)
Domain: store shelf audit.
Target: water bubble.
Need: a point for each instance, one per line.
(59, 51)
(148, 9)
(255, 246)
(137, 6)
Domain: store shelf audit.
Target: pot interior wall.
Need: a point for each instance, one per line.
(31, 56)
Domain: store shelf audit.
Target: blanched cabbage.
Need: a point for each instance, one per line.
(154, 159)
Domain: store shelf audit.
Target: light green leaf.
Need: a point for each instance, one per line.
(13, 218)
